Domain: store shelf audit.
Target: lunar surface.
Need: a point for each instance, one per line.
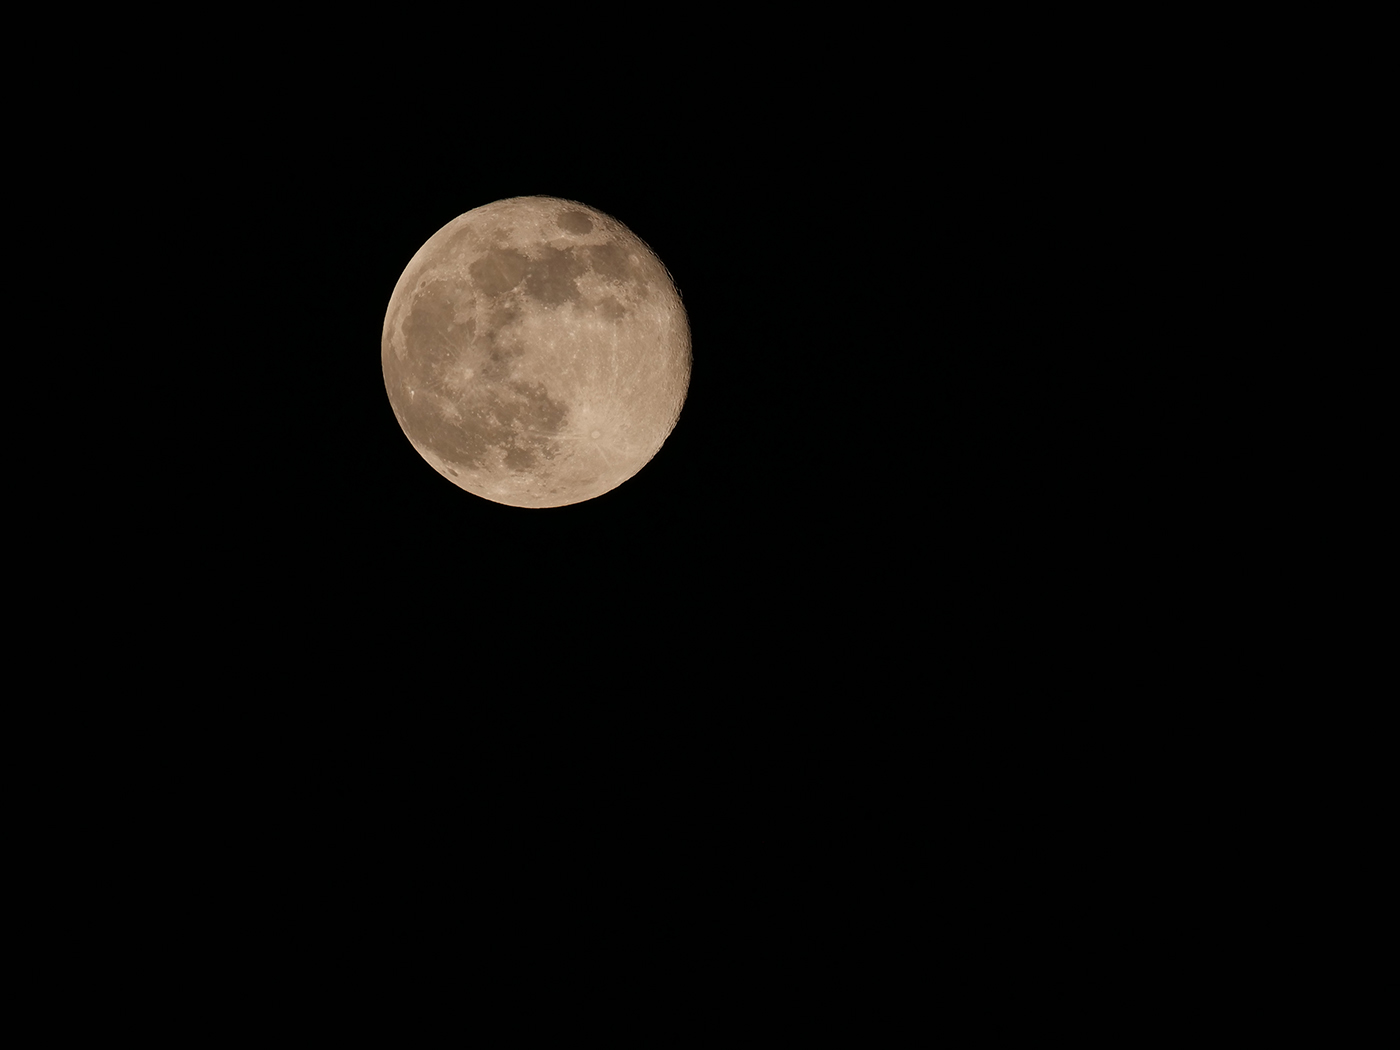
(536, 352)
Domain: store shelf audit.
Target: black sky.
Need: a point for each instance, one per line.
(858, 279)
(839, 612)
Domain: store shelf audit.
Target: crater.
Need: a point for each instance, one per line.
(575, 222)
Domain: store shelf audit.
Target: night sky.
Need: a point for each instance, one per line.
(830, 649)
(799, 382)
(858, 292)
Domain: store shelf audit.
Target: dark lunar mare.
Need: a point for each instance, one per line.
(495, 413)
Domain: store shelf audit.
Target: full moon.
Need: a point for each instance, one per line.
(536, 352)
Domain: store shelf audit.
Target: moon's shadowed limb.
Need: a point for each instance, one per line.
(536, 352)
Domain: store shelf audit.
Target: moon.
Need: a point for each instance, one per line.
(536, 352)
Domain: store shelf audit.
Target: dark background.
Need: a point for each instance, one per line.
(877, 618)
(901, 272)
(857, 293)
(778, 628)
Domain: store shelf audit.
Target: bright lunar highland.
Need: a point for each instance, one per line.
(536, 352)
